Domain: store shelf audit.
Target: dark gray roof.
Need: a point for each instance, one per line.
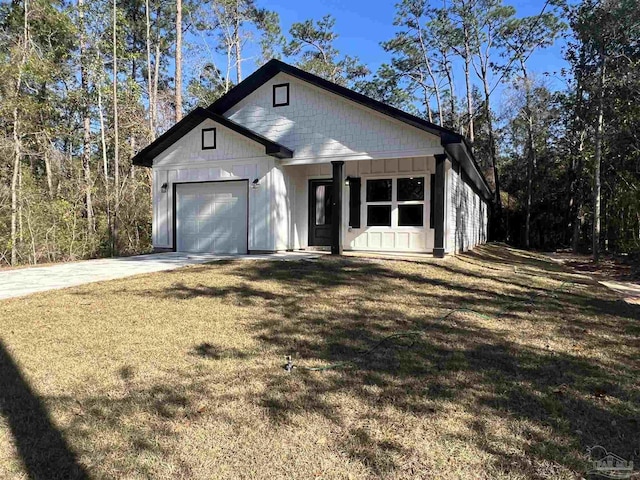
(456, 146)
(459, 147)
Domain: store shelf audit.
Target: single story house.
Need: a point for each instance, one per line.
(287, 160)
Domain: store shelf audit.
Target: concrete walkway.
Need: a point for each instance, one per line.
(24, 281)
(630, 291)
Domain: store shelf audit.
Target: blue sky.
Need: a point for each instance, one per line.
(363, 24)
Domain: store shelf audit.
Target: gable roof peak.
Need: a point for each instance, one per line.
(274, 66)
(145, 156)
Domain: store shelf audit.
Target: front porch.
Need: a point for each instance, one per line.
(391, 205)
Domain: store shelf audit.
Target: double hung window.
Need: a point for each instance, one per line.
(395, 202)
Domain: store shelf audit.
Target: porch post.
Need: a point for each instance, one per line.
(438, 207)
(336, 208)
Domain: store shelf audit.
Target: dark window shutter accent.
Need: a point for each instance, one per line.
(355, 185)
(432, 202)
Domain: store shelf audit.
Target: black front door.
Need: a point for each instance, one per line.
(320, 199)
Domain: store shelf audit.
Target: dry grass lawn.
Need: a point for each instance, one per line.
(180, 374)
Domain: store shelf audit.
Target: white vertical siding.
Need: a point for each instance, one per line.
(465, 214)
(417, 239)
(235, 158)
(321, 125)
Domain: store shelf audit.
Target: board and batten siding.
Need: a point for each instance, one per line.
(416, 239)
(234, 158)
(466, 213)
(321, 126)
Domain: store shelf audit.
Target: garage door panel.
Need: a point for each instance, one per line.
(205, 227)
(206, 244)
(204, 206)
(212, 217)
(190, 227)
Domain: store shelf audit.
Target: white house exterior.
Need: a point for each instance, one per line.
(287, 160)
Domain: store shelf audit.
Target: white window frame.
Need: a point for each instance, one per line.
(394, 203)
(422, 202)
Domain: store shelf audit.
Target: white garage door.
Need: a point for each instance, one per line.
(211, 217)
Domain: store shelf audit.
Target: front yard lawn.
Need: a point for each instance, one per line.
(180, 374)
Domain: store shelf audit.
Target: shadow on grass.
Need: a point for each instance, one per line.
(214, 352)
(43, 450)
(333, 310)
(137, 424)
(580, 401)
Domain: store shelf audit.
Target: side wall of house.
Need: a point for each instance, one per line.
(465, 212)
(235, 158)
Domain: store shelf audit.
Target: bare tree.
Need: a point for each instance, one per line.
(150, 89)
(462, 24)
(17, 140)
(86, 122)
(531, 154)
(116, 146)
(598, 156)
(178, 61)
(105, 158)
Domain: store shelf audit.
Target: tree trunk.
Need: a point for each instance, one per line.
(575, 202)
(531, 157)
(47, 169)
(237, 46)
(436, 87)
(86, 141)
(178, 60)
(150, 97)
(498, 220)
(20, 205)
(156, 80)
(17, 146)
(116, 146)
(455, 124)
(105, 165)
(598, 161)
(14, 187)
(434, 80)
(531, 165)
(467, 78)
(426, 101)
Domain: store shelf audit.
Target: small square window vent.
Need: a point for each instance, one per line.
(281, 95)
(208, 138)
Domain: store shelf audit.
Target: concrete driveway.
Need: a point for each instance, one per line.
(24, 281)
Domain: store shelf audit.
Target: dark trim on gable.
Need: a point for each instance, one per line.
(145, 157)
(273, 67)
(280, 85)
(454, 143)
(202, 132)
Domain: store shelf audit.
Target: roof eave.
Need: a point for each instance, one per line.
(459, 151)
(279, 151)
(273, 67)
(145, 157)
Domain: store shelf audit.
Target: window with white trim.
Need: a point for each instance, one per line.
(410, 197)
(395, 202)
(379, 202)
